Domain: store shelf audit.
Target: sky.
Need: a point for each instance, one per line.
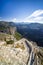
(21, 10)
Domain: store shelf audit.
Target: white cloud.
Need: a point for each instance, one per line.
(36, 16)
(14, 20)
(36, 13)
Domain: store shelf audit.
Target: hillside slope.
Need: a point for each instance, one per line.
(32, 31)
(22, 52)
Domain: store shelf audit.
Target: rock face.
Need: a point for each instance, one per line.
(19, 53)
(16, 54)
(12, 30)
(6, 37)
(11, 56)
(6, 27)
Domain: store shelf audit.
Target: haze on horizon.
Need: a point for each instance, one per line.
(21, 10)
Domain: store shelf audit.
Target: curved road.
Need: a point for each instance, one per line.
(33, 60)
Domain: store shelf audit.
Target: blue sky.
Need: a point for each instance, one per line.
(21, 10)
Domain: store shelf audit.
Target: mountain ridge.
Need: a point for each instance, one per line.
(31, 31)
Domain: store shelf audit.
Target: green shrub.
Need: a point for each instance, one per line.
(17, 35)
(10, 42)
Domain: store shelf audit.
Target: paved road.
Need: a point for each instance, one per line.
(33, 60)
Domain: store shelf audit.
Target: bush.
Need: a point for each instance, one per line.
(10, 42)
(17, 36)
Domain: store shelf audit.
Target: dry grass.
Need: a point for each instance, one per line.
(20, 46)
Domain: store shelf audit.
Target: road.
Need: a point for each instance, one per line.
(31, 52)
(33, 59)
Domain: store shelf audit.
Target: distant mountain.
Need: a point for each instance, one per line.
(32, 31)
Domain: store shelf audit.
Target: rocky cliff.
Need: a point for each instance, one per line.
(6, 27)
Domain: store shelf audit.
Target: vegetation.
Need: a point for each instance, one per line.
(10, 42)
(2, 28)
(20, 46)
(4, 36)
(17, 36)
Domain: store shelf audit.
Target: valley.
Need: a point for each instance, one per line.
(16, 48)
